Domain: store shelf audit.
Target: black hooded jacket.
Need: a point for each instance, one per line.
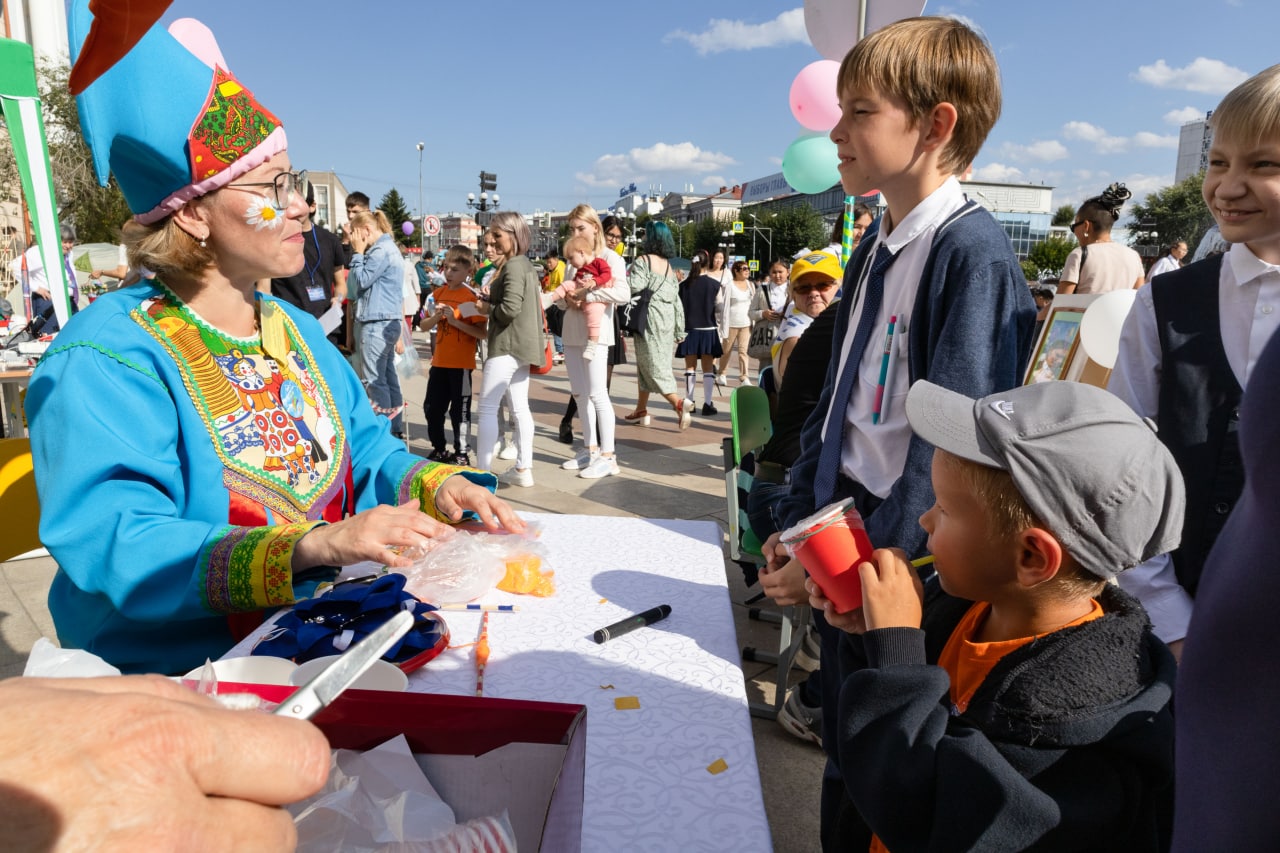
(1067, 744)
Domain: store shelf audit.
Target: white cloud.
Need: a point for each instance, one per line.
(714, 182)
(1210, 76)
(777, 161)
(1103, 142)
(1146, 139)
(1177, 118)
(639, 164)
(998, 173)
(1044, 150)
(723, 34)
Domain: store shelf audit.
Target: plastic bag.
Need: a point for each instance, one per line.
(469, 564)
(407, 362)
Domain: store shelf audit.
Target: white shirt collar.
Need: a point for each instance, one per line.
(929, 213)
(1246, 266)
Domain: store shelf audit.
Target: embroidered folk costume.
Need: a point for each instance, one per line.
(179, 466)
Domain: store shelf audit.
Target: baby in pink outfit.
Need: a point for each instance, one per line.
(590, 273)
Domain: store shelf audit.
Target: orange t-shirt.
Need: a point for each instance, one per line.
(968, 663)
(454, 347)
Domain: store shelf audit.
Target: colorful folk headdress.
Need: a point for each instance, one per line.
(169, 120)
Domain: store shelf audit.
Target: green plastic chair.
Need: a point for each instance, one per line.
(751, 430)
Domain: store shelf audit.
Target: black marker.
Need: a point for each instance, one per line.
(626, 626)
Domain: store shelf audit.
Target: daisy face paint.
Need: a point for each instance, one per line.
(263, 213)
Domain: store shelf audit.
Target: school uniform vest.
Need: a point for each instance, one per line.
(1199, 408)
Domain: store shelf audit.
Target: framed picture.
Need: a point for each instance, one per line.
(1057, 346)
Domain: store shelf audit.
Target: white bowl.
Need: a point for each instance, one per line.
(380, 676)
(251, 669)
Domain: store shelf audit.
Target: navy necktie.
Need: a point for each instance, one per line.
(824, 479)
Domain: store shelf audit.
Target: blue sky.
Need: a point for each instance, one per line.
(568, 100)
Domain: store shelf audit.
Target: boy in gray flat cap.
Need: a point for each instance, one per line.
(1018, 701)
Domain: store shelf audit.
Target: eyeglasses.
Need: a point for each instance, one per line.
(614, 235)
(806, 289)
(284, 186)
(1075, 225)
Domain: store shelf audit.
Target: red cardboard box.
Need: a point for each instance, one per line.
(481, 755)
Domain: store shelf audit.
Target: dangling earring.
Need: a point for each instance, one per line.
(203, 244)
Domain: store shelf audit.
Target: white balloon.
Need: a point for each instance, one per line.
(1101, 324)
(833, 24)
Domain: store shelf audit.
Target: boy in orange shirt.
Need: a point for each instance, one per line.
(454, 357)
(1018, 701)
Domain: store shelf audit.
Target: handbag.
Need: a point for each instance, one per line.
(760, 344)
(633, 316)
(547, 351)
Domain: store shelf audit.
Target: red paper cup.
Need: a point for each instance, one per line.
(830, 544)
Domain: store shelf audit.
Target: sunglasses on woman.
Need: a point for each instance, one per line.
(806, 289)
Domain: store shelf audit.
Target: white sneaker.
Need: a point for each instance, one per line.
(721, 380)
(515, 477)
(685, 413)
(601, 466)
(589, 351)
(579, 462)
(508, 451)
(746, 380)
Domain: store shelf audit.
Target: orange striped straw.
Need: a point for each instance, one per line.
(482, 653)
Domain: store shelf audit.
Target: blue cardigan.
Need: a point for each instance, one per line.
(971, 332)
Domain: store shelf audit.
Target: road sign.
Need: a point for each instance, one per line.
(431, 225)
(754, 266)
(737, 227)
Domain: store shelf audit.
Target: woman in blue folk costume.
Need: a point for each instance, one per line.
(202, 453)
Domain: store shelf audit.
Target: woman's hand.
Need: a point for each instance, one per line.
(368, 535)
(769, 315)
(785, 585)
(458, 494)
(359, 240)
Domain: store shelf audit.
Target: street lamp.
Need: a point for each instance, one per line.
(483, 205)
(726, 243)
(755, 228)
(422, 234)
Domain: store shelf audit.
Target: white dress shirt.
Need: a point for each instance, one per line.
(1166, 264)
(874, 454)
(1249, 302)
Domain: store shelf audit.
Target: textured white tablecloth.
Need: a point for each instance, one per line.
(647, 782)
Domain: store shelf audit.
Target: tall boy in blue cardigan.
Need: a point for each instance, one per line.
(917, 100)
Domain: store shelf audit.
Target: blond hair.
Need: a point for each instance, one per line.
(374, 219)
(579, 243)
(586, 213)
(1009, 514)
(928, 61)
(512, 223)
(1250, 113)
(165, 249)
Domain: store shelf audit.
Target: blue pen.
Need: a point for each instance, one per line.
(884, 370)
(485, 608)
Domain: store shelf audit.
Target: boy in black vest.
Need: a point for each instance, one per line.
(1194, 335)
(1017, 701)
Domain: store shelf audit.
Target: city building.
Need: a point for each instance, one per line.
(1194, 140)
(457, 229)
(1024, 210)
(331, 200)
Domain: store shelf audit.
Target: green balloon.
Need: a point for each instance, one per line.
(811, 164)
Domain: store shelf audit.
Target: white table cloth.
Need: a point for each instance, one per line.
(647, 783)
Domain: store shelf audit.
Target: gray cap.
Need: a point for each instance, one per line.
(1088, 467)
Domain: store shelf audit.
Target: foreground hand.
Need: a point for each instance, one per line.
(892, 594)
(458, 494)
(367, 536)
(853, 622)
(141, 763)
(785, 585)
(775, 555)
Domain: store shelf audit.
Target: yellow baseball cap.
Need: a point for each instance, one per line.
(820, 262)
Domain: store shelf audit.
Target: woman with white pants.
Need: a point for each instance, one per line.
(514, 336)
(588, 377)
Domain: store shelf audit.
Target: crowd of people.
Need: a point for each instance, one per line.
(1016, 693)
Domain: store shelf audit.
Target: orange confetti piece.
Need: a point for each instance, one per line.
(627, 703)
(717, 767)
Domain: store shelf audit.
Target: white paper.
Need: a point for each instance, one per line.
(468, 309)
(332, 318)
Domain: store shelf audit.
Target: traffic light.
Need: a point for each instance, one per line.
(488, 181)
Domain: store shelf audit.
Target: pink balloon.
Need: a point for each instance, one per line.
(813, 95)
(407, 228)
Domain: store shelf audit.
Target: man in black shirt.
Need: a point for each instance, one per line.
(322, 281)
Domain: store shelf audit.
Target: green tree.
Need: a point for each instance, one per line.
(1064, 215)
(796, 228)
(393, 207)
(1175, 213)
(96, 211)
(1047, 257)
